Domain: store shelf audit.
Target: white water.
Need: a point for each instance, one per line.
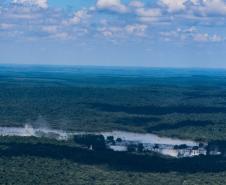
(127, 137)
(28, 131)
(148, 138)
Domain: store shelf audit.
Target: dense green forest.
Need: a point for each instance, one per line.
(37, 170)
(45, 161)
(187, 106)
(184, 104)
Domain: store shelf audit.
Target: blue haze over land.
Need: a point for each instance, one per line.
(7, 69)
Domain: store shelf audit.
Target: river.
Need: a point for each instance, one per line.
(150, 142)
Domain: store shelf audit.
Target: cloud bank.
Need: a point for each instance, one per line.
(36, 19)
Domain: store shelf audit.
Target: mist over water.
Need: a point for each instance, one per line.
(29, 131)
(44, 131)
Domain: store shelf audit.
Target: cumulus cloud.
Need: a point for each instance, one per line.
(38, 3)
(113, 5)
(78, 17)
(130, 18)
(136, 4)
(202, 7)
(61, 36)
(173, 5)
(190, 34)
(50, 28)
(212, 7)
(111, 31)
(6, 26)
(205, 37)
(148, 15)
(136, 29)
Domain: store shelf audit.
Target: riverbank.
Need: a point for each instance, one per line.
(120, 140)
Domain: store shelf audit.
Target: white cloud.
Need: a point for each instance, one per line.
(148, 15)
(201, 37)
(205, 37)
(6, 26)
(136, 4)
(172, 15)
(212, 7)
(195, 2)
(126, 31)
(112, 31)
(38, 3)
(113, 5)
(190, 34)
(173, 5)
(136, 29)
(50, 29)
(61, 36)
(217, 38)
(152, 12)
(17, 13)
(107, 33)
(202, 7)
(78, 17)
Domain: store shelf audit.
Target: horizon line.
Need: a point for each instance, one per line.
(115, 66)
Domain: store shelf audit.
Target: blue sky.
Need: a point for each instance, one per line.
(155, 33)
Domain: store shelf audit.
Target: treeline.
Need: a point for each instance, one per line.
(217, 147)
(115, 160)
(94, 142)
(99, 143)
(157, 110)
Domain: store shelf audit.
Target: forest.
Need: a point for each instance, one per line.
(173, 103)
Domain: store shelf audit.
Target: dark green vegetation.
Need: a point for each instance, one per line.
(38, 170)
(43, 161)
(97, 142)
(178, 103)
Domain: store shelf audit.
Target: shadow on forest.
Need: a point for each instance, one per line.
(182, 124)
(156, 110)
(136, 121)
(201, 94)
(116, 160)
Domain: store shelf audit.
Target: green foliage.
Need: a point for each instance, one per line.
(140, 147)
(31, 170)
(110, 140)
(187, 107)
(180, 146)
(96, 142)
(34, 161)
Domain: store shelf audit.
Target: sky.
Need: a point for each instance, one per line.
(153, 33)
